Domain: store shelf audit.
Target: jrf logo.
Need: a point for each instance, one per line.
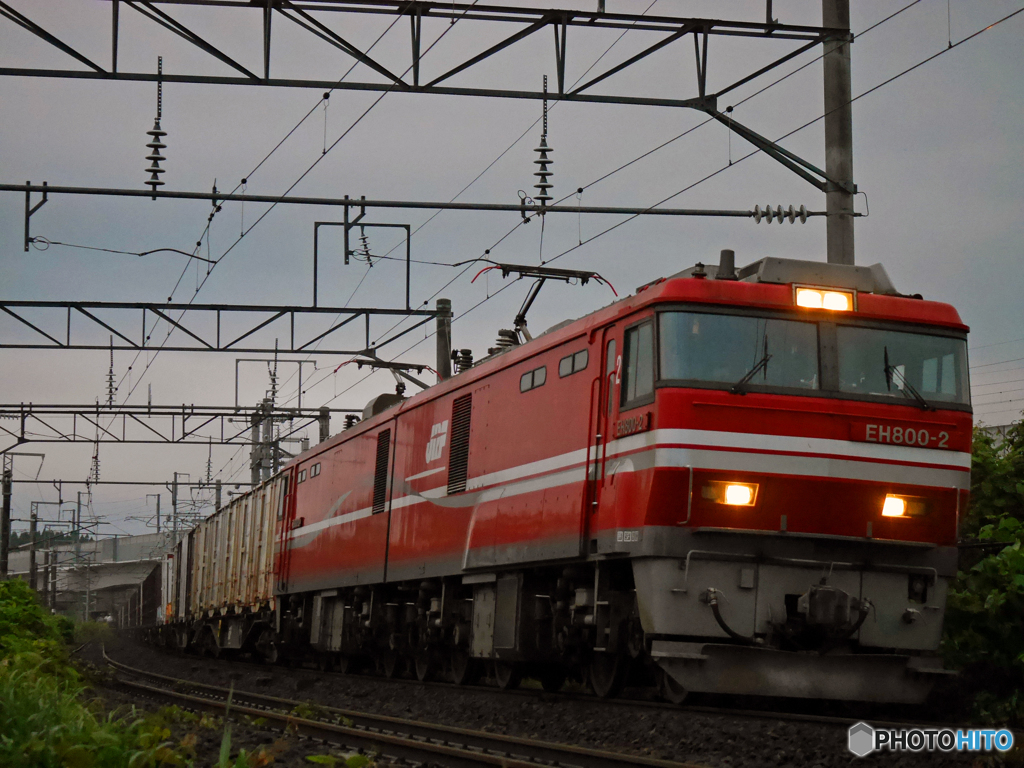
(438, 437)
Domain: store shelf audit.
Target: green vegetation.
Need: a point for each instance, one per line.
(45, 719)
(984, 629)
(342, 761)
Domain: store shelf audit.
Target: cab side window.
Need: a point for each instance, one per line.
(638, 364)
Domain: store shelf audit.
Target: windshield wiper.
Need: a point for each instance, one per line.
(762, 364)
(892, 370)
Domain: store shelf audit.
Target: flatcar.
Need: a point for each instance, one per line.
(734, 481)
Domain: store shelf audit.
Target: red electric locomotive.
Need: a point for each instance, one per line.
(744, 482)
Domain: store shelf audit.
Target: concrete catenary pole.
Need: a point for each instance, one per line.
(5, 521)
(174, 510)
(78, 537)
(444, 339)
(838, 135)
(255, 454)
(268, 448)
(325, 423)
(33, 527)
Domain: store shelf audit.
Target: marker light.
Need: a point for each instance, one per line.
(817, 298)
(733, 494)
(805, 297)
(894, 506)
(739, 495)
(836, 300)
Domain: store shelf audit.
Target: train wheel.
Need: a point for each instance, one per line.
(508, 675)
(606, 674)
(552, 679)
(425, 665)
(388, 664)
(345, 664)
(670, 690)
(464, 667)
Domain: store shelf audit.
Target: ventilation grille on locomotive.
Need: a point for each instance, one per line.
(380, 476)
(458, 459)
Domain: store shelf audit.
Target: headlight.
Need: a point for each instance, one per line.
(733, 494)
(821, 298)
(739, 495)
(894, 506)
(902, 506)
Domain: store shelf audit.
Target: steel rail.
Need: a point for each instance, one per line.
(761, 714)
(405, 738)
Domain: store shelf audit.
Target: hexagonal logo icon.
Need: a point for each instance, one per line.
(861, 739)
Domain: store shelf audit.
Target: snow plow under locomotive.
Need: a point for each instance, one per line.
(744, 482)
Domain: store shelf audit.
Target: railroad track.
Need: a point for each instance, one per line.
(634, 702)
(397, 739)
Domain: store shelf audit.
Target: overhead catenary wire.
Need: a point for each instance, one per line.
(757, 151)
(260, 218)
(1000, 362)
(658, 147)
(206, 231)
(297, 181)
(997, 344)
(462, 191)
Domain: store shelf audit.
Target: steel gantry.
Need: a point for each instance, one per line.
(669, 29)
(834, 37)
(150, 424)
(132, 325)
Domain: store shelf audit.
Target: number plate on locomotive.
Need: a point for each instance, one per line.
(901, 434)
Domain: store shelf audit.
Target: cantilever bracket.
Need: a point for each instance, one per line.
(795, 163)
(399, 370)
(348, 225)
(30, 209)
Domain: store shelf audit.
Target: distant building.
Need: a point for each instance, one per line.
(101, 578)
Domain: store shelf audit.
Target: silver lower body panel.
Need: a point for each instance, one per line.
(751, 671)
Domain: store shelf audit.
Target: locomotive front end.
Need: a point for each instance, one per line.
(810, 454)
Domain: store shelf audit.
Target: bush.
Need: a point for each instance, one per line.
(45, 719)
(44, 723)
(93, 632)
(984, 628)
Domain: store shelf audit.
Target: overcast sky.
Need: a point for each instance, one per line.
(939, 153)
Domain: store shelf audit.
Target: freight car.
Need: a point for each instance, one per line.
(741, 481)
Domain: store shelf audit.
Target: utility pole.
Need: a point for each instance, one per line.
(268, 446)
(255, 456)
(216, 497)
(174, 510)
(32, 528)
(157, 495)
(78, 547)
(838, 135)
(44, 597)
(5, 517)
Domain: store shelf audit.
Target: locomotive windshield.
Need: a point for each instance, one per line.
(726, 349)
(746, 351)
(896, 364)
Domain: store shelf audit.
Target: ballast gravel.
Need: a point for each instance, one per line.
(677, 734)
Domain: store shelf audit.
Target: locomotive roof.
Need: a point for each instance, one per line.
(766, 284)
